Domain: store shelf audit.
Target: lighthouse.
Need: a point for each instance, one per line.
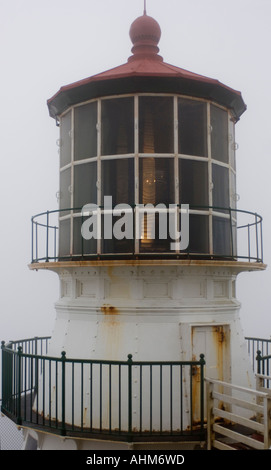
(147, 243)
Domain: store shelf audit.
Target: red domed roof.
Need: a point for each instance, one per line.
(144, 72)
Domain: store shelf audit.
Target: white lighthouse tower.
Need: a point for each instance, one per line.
(142, 314)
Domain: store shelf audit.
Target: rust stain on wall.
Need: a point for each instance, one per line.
(108, 309)
(110, 272)
(220, 342)
(111, 330)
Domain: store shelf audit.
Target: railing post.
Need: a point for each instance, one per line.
(258, 359)
(259, 383)
(202, 364)
(209, 412)
(4, 381)
(248, 234)
(257, 242)
(19, 376)
(63, 360)
(261, 234)
(36, 364)
(7, 375)
(82, 238)
(47, 236)
(232, 248)
(134, 231)
(32, 240)
(36, 240)
(267, 422)
(130, 363)
(55, 229)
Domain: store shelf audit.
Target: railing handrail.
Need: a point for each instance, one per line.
(133, 206)
(264, 377)
(95, 361)
(26, 340)
(267, 340)
(235, 387)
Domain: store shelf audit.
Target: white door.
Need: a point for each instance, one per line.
(214, 342)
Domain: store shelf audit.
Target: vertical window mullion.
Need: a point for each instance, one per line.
(99, 171)
(228, 164)
(210, 177)
(229, 161)
(176, 171)
(176, 160)
(136, 167)
(72, 180)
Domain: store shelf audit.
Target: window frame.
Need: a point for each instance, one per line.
(175, 155)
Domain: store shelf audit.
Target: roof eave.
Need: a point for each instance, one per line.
(98, 86)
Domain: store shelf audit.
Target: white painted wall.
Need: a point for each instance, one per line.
(151, 312)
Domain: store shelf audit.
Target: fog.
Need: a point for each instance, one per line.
(48, 44)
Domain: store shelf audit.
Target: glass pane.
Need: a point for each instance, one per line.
(64, 237)
(85, 189)
(118, 180)
(233, 191)
(222, 237)
(85, 133)
(220, 186)
(156, 181)
(193, 183)
(155, 236)
(219, 134)
(198, 234)
(118, 126)
(81, 246)
(65, 190)
(120, 238)
(192, 127)
(156, 125)
(234, 236)
(65, 140)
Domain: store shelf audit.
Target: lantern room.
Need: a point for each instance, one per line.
(140, 142)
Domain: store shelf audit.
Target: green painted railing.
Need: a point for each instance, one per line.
(122, 400)
(256, 345)
(264, 366)
(53, 242)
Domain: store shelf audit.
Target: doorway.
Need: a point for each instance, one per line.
(214, 342)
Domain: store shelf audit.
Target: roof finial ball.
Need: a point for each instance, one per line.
(145, 34)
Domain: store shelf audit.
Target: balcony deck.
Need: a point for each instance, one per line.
(238, 266)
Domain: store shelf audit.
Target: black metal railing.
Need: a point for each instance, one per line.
(264, 368)
(215, 232)
(254, 345)
(37, 345)
(122, 399)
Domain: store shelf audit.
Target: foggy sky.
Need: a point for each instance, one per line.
(47, 44)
